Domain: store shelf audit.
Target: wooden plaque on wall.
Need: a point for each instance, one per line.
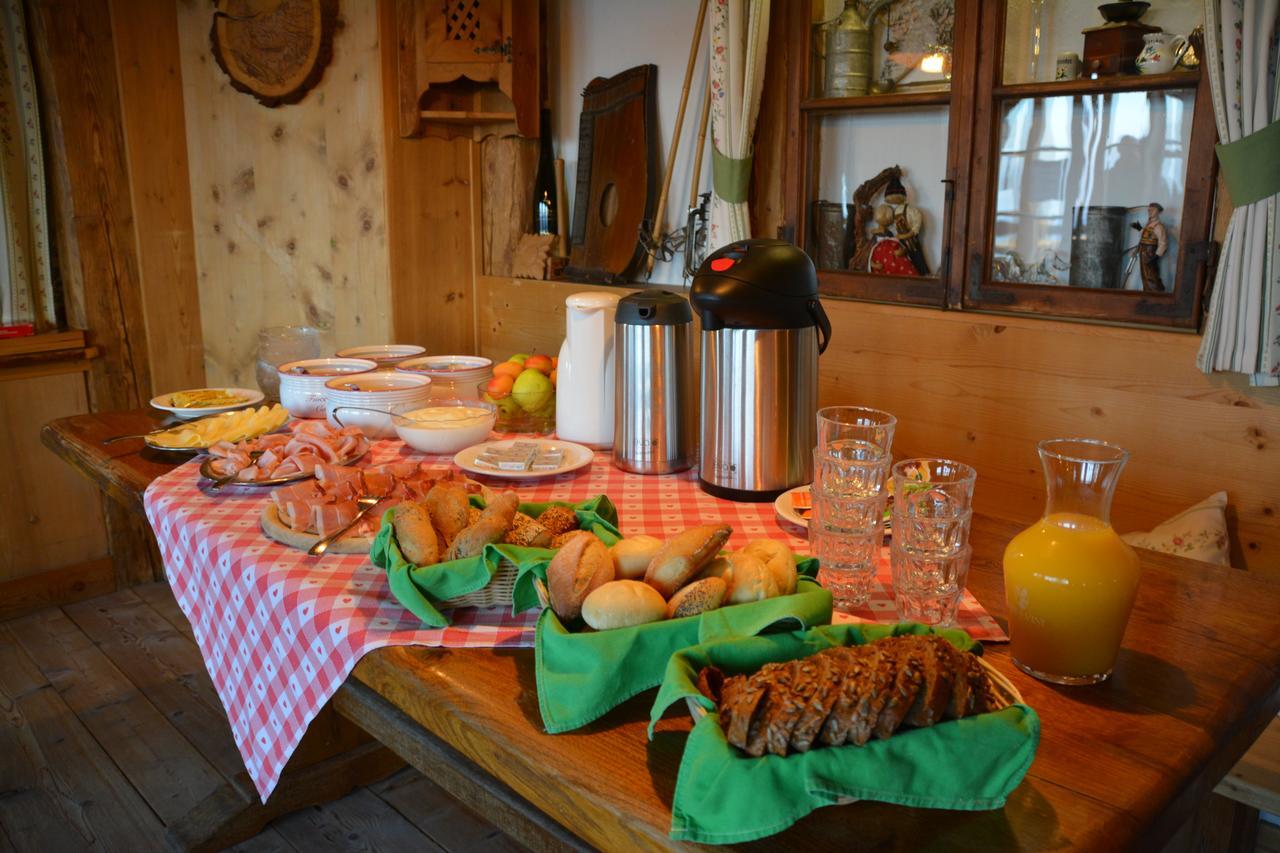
(275, 50)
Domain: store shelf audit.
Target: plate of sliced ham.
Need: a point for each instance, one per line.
(300, 514)
(284, 457)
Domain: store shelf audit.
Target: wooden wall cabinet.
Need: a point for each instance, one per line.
(469, 67)
(1015, 172)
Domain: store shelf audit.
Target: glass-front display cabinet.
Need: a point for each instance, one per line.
(1031, 156)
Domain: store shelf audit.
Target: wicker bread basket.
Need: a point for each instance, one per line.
(498, 592)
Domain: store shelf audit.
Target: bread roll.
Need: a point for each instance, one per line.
(581, 565)
(527, 532)
(622, 604)
(415, 534)
(752, 580)
(697, 597)
(778, 557)
(558, 519)
(493, 524)
(683, 556)
(559, 539)
(448, 504)
(632, 556)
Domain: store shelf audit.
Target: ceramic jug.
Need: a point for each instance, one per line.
(1160, 53)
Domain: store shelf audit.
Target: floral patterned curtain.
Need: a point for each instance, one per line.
(26, 289)
(1243, 330)
(739, 33)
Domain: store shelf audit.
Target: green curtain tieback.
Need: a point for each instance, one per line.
(1250, 166)
(730, 176)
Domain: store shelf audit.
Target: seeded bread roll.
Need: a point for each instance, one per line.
(752, 580)
(581, 565)
(631, 556)
(698, 597)
(622, 604)
(558, 519)
(683, 556)
(527, 532)
(415, 534)
(778, 557)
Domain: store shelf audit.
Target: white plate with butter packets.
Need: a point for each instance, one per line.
(523, 458)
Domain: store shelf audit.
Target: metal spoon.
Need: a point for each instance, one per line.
(219, 482)
(113, 439)
(366, 504)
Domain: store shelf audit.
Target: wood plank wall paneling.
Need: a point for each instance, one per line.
(521, 315)
(145, 34)
(288, 204)
(509, 167)
(52, 517)
(429, 223)
(92, 211)
(985, 389)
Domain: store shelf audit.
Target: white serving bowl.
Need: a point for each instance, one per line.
(302, 382)
(452, 376)
(386, 356)
(446, 426)
(366, 400)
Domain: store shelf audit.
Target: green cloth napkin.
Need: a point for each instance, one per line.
(724, 796)
(421, 588)
(582, 676)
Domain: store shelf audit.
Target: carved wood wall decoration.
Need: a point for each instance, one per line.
(275, 50)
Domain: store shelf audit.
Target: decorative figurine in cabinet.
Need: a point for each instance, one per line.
(470, 67)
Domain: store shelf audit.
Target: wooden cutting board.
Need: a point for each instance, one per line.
(618, 175)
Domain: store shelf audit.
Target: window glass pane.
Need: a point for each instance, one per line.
(1076, 175)
(904, 212)
(1037, 32)
(905, 46)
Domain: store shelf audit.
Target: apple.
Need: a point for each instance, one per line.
(532, 390)
(508, 368)
(555, 362)
(554, 380)
(519, 358)
(500, 387)
(541, 363)
(508, 408)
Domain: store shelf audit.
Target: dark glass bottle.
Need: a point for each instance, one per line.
(544, 184)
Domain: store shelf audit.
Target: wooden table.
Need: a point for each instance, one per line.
(1126, 763)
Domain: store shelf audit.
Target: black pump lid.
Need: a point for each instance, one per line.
(653, 307)
(756, 284)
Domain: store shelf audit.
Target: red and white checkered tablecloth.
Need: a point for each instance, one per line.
(280, 631)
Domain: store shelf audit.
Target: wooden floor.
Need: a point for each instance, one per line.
(110, 730)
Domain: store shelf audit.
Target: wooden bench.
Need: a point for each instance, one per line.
(1255, 780)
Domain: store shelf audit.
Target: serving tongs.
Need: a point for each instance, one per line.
(366, 503)
(113, 439)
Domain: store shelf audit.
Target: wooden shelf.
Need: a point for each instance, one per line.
(47, 342)
(1101, 85)
(890, 101)
(459, 117)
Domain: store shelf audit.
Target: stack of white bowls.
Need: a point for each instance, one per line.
(302, 382)
(452, 376)
(366, 400)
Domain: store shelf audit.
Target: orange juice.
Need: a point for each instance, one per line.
(1069, 580)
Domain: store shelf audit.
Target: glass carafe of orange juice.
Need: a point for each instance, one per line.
(1070, 579)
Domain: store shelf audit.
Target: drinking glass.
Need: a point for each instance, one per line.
(929, 552)
(846, 526)
(279, 344)
(836, 423)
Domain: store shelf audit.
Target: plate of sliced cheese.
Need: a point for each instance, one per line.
(232, 426)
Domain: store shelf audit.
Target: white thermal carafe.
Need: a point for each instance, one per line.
(584, 386)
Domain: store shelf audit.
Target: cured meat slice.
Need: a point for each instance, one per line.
(305, 492)
(399, 470)
(330, 518)
(297, 514)
(326, 473)
(378, 482)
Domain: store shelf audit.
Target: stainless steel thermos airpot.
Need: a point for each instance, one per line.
(655, 420)
(762, 331)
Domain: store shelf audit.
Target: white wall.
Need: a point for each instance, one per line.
(599, 38)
